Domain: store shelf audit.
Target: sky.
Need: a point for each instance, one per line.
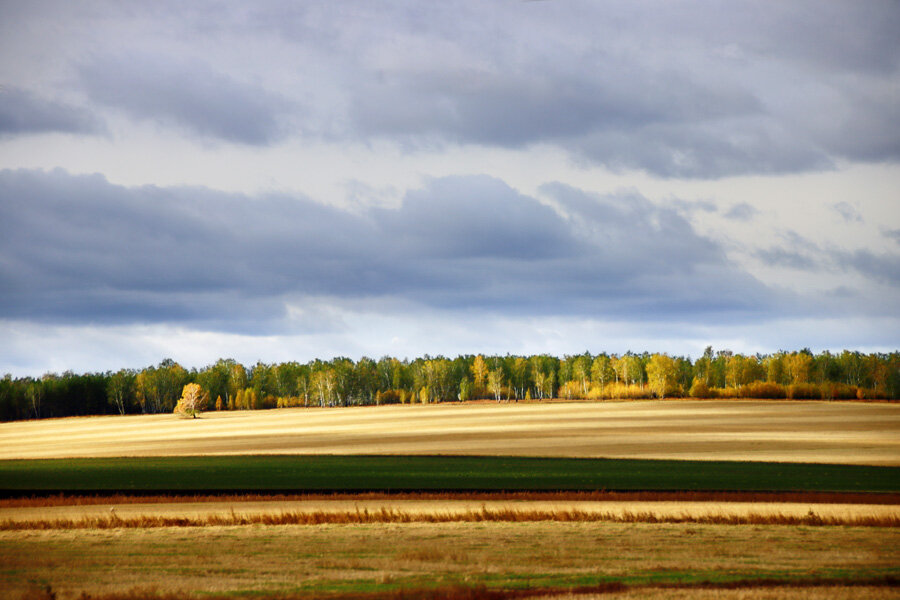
(276, 180)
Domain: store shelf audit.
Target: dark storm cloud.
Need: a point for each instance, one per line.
(79, 249)
(21, 112)
(185, 94)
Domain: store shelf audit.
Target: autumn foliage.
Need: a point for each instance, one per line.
(193, 400)
(341, 381)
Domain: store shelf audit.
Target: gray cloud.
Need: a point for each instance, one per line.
(880, 267)
(784, 257)
(847, 212)
(801, 254)
(692, 206)
(650, 260)
(796, 252)
(518, 108)
(186, 94)
(675, 90)
(475, 217)
(78, 249)
(21, 112)
(741, 212)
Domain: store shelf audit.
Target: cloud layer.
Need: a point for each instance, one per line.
(189, 96)
(525, 173)
(697, 90)
(21, 112)
(78, 249)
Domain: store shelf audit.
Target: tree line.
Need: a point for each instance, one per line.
(229, 385)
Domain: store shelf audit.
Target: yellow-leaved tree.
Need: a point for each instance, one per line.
(662, 375)
(193, 400)
(479, 374)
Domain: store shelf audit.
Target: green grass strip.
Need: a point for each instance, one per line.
(431, 473)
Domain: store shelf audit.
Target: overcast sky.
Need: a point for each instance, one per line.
(284, 181)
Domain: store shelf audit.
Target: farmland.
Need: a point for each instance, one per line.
(459, 501)
(430, 473)
(353, 559)
(820, 432)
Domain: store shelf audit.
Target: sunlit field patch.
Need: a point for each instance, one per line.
(826, 432)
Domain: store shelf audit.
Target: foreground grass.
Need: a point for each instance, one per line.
(427, 473)
(357, 559)
(879, 589)
(767, 592)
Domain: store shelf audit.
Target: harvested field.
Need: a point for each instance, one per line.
(664, 543)
(825, 432)
(352, 559)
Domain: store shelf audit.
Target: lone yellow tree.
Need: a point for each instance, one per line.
(193, 400)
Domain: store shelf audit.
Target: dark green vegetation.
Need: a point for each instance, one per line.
(430, 473)
(228, 385)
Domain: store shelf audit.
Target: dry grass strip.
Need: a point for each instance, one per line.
(596, 496)
(390, 515)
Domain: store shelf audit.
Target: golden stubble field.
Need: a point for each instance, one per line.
(827, 432)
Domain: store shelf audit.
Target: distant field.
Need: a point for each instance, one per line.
(427, 473)
(824, 432)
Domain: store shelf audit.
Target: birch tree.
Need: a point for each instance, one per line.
(193, 400)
